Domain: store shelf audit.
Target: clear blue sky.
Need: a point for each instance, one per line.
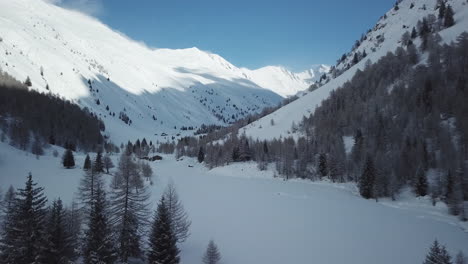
(248, 33)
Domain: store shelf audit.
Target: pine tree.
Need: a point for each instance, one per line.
(367, 179)
(98, 165)
(87, 163)
(323, 166)
(437, 255)
(28, 82)
(87, 189)
(442, 9)
(420, 187)
(68, 160)
(129, 207)
(59, 247)
(201, 155)
(212, 255)
(23, 236)
(414, 34)
(162, 241)
(179, 218)
(448, 17)
(98, 248)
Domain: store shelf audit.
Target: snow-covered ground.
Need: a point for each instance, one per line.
(390, 29)
(255, 218)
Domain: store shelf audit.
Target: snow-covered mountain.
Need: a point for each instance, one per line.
(284, 82)
(160, 90)
(384, 37)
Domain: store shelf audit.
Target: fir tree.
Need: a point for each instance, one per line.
(162, 242)
(98, 248)
(23, 236)
(179, 218)
(448, 17)
(420, 187)
(87, 189)
(36, 147)
(87, 163)
(98, 165)
(437, 255)
(442, 9)
(68, 160)
(212, 255)
(323, 166)
(201, 155)
(28, 82)
(367, 179)
(414, 34)
(59, 247)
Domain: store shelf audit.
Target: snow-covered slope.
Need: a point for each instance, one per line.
(160, 90)
(255, 218)
(284, 82)
(390, 28)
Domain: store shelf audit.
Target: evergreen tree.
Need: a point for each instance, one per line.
(23, 236)
(87, 189)
(98, 163)
(212, 255)
(322, 166)
(367, 179)
(414, 34)
(442, 9)
(179, 219)
(28, 82)
(437, 255)
(420, 187)
(98, 247)
(59, 247)
(162, 241)
(129, 207)
(68, 160)
(87, 163)
(448, 17)
(201, 155)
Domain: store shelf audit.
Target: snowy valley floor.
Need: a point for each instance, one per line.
(257, 219)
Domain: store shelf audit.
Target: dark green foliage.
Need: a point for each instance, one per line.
(47, 116)
(414, 34)
(201, 155)
(420, 186)
(98, 247)
(442, 8)
(212, 255)
(448, 17)
(437, 255)
(162, 242)
(322, 166)
(23, 237)
(28, 82)
(68, 160)
(367, 179)
(59, 246)
(98, 164)
(87, 163)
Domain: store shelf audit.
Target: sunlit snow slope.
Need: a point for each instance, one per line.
(158, 89)
(390, 28)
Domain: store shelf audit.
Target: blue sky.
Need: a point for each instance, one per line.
(249, 33)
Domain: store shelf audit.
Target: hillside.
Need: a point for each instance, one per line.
(390, 28)
(136, 90)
